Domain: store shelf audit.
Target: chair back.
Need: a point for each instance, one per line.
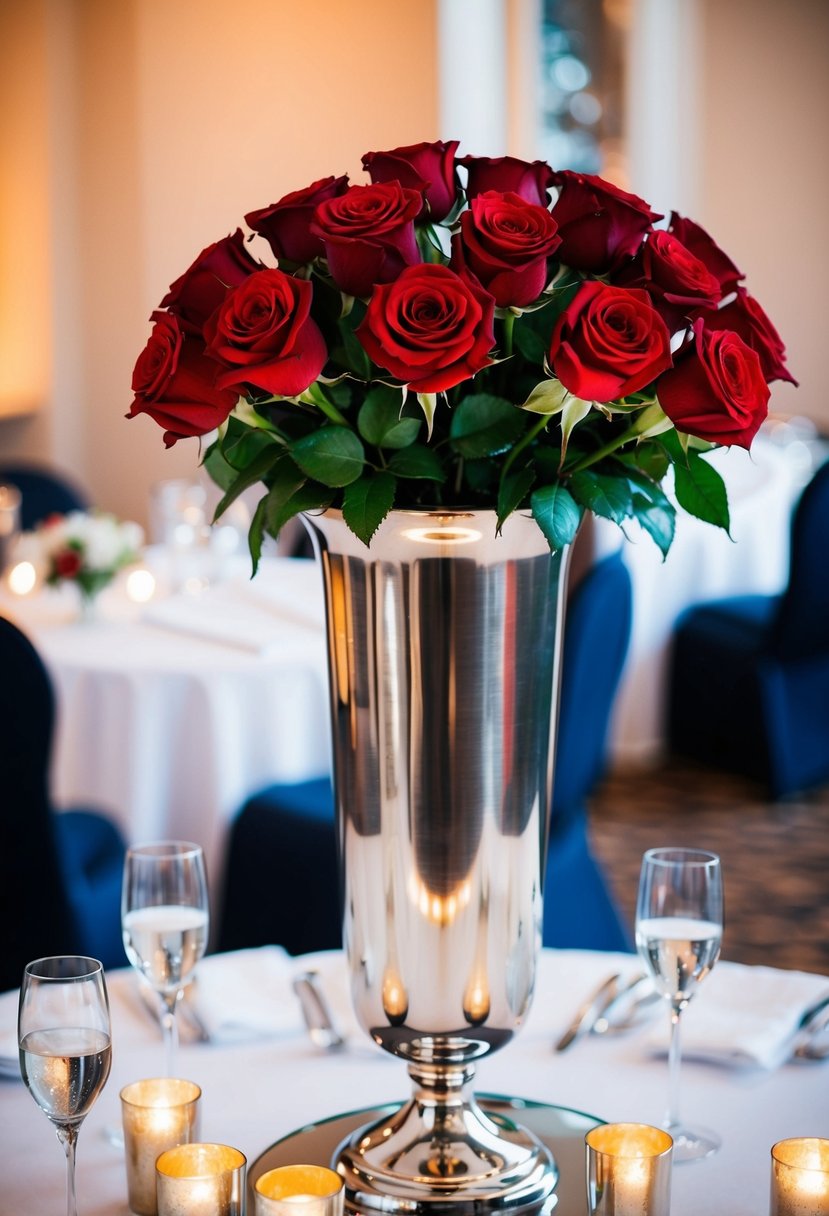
(43, 492)
(801, 626)
(34, 905)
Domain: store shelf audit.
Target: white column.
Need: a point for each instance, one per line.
(472, 58)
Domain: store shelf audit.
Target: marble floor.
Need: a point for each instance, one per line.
(775, 855)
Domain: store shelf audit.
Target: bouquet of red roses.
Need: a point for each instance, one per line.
(463, 331)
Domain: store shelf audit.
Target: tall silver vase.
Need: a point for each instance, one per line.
(444, 644)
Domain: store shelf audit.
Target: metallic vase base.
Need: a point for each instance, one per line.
(470, 1163)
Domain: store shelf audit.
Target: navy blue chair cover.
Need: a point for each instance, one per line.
(43, 492)
(749, 677)
(60, 873)
(282, 877)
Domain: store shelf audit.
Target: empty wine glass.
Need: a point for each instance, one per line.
(679, 919)
(164, 920)
(63, 1033)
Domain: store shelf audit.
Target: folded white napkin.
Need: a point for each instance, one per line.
(743, 1015)
(247, 994)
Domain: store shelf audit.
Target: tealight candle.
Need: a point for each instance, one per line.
(201, 1180)
(300, 1190)
(628, 1170)
(800, 1177)
(157, 1114)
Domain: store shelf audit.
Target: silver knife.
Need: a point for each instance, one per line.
(587, 1013)
(322, 1030)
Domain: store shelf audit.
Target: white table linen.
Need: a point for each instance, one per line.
(168, 729)
(257, 1091)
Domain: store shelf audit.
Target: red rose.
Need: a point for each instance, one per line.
(428, 168)
(702, 246)
(368, 234)
(677, 281)
(265, 333)
(67, 563)
(600, 225)
(748, 319)
(507, 174)
(608, 342)
(286, 225)
(716, 391)
(201, 289)
(431, 328)
(505, 242)
(175, 383)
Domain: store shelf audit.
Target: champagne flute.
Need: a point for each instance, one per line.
(63, 1033)
(679, 919)
(164, 920)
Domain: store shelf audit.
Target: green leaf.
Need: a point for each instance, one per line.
(256, 534)
(242, 444)
(603, 494)
(529, 342)
(379, 420)
(256, 470)
(291, 495)
(332, 455)
(658, 520)
(512, 491)
(355, 357)
(701, 491)
(651, 458)
(557, 514)
(485, 425)
(418, 462)
(219, 471)
(367, 502)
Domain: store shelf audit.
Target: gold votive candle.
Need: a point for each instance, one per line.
(201, 1180)
(300, 1190)
(800, 1177)
(628, 1170)
(157, 1114)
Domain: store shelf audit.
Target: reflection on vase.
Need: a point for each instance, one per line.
(443, 658)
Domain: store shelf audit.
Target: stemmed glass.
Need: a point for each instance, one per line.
(63, 1034)
(679, 920)
(164, 920)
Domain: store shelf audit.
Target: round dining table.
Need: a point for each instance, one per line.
(263, 1085)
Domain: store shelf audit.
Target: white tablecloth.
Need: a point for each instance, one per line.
(170, 728)
(256, 1092)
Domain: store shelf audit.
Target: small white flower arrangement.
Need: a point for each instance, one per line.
(87, 548)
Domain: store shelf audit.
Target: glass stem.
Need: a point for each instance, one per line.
(673, 1070)
(68, 1137)
(169, 1027)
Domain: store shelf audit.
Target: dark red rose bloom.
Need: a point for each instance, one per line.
(702, 246)
(678, 282)
(600, 225)
(174, 382)
(67, 563)
(265, 336)
(286, 225)
(748, 319)
(716, 390)
(507, 174)
(201, 289)
(428, 168)
(506, 242)
(608, 342)
(431, 328)
(368, 234)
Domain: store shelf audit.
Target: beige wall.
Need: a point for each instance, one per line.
(170, 119)
(135, 132)
(763, 130)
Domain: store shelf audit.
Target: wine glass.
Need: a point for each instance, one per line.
(679, 919)
(63, 1034)
(164, 920)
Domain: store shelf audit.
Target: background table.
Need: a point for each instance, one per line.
(256, 1092)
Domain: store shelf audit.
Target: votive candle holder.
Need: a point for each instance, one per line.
(800, 1177)
(157, 1114)
(628, 1170)
(300, 1190)
(201, 1180)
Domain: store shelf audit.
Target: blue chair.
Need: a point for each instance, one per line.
(282, 877)
(749, 676)
(43, 492)
(60, 872)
